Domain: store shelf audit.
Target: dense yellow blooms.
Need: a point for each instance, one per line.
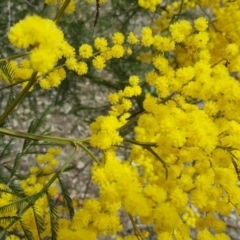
(99, 62)
(191, 159)
(149, 4)
(132, 38)
(182, 170)
(100, 44)
(33, 32)
(118, 38)
(85, 51)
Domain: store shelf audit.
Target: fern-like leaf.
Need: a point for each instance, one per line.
(6, 148)
(16, 205)
(39, 221)
(67, 199)
(11, 98)
(27, 231)
(39, 122)
(53, 216)
(8, 219)
(12, 192)
(36, 124)
(7, 71)
(3, 178)
(16, 164)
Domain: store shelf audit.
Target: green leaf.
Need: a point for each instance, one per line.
(7, 147)
(7, 70)
(35, 125)
(6, 220)
(13, 192)
(8, 73)
(39, 221)
(16, 205)
(27, 231)
(11, 98)
(3, 178)
(67, 199)
(53, 216)
(16, 164)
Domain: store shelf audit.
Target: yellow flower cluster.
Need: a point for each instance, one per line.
(150, 5)
(47, 46)
(36, 180)
(53, 79)
(105, 128)
(105, 132)
(93, 218)
(43, 36)
(182, 171)
(180, 181)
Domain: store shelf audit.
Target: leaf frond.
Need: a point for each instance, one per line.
(39, 221)
(67, 198)
(53, 216)
(7, 71)
(18, 204)
(7, 219)
(36, 124)
(27, 231)
(5, 148)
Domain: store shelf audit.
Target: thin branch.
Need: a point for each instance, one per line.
(160, 159)
(143, 144)
(135, 228)
(97, 12)
(18, 55)
(61, 11)
(36, 137)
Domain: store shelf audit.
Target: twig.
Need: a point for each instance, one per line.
(97, 12)
(160, 159)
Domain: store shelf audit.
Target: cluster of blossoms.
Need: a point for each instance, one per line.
(150, 5)
(183, 168)
(38, 177)
(106, 128)
(186, 152)
(33, 32)
(47, 46)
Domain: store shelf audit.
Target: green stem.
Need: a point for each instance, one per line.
(13, 84)
(61, 169)
(136, 229)
(24, 92)
(36, 137)
(179, 13)
(130, 121)
(14, 57)
(51, 139)
(143, 144)
(165, 166)
(61, 11)
(89, 153)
